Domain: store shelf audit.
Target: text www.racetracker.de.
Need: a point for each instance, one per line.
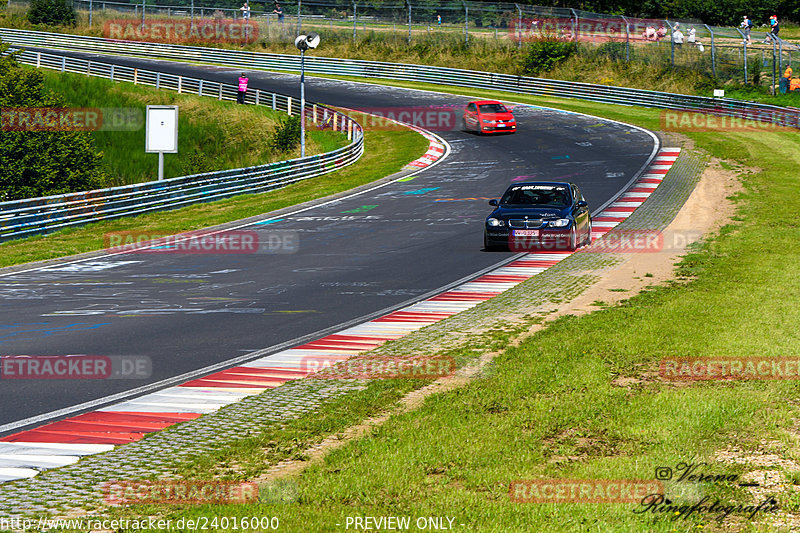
(200, 523)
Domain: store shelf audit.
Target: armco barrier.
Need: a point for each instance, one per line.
(407, 72)
(23, 218)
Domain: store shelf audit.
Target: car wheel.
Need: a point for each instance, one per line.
(573, 239)
(464, 125)
(588, 240)
(486, 244)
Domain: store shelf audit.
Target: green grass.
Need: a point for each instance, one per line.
(549, 407)
(386, 152)
(212, 134)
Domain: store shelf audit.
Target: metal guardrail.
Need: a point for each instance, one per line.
(23, 218)
(409, 72)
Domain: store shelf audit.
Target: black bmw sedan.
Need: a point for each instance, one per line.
(538, 216)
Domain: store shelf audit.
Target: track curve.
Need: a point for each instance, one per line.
(358, 255)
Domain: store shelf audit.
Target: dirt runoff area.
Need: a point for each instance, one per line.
(707, 209)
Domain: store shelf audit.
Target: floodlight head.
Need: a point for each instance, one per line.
(307, 42)
(312, 39)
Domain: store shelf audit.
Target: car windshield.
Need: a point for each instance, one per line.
(535, 195)
(493, 108)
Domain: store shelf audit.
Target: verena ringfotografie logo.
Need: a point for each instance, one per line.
(383, 367)
(75, 367)
(71, 119)
(729, 368)
(182, 31)
(199, 242)
(582, 490)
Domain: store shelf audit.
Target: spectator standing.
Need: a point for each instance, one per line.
(774, 28)
(691, 38)
(438, 19)
(677, 36)
(278, 11)
(242, 88)
(245, 9)
(746, 26)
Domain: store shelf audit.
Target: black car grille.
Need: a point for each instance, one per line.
(520, 223)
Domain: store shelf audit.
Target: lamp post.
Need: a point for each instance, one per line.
(303, 43)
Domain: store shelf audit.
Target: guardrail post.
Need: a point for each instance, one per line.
(200, 89)
(258, 96)
(289, 104)
(314, 113)
(349, 130)
(713, 52)
(220, 92)
(158, 80)
(88, 68)
(112, 72)
(274, 106)
(63, 64)
(180, 84)
(38, 59)
(335, 116)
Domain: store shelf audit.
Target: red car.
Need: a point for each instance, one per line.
(489, 116)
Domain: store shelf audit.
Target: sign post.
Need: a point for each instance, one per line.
(162, 133)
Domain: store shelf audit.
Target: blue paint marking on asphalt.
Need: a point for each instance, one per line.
(560, 157)
(421, 191)
(78, 326)
(274, 220)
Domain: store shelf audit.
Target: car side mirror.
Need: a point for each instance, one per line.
(582, 203)
(493, 202)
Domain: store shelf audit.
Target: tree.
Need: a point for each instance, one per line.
(40, 163)
(51, 12)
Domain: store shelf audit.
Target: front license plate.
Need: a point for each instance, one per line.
(501, 125)
(526, 233)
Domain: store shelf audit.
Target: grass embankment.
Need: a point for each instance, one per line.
(386, 152)
(552, 407)
(212, 135)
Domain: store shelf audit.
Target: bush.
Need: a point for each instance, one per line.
(613, 50)
(51, 12)
(41, 163)
(544, 54)
(286, 135)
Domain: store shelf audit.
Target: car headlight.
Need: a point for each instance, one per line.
(495, 222)
(558, 223)
(488, 121)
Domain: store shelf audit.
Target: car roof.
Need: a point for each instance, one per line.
(479, 102)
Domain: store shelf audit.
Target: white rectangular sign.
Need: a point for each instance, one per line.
(162, 129)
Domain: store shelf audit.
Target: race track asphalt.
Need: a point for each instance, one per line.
(354, 256)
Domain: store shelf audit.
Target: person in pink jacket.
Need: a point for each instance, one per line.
(242, 88)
